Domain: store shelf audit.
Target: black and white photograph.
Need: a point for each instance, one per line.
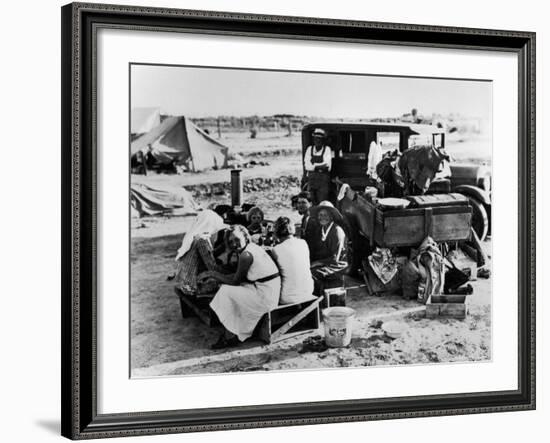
(277, 221)
(286, 220)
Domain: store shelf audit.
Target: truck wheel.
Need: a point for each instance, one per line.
(480, 220)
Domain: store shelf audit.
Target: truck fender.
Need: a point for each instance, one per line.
(474, 192)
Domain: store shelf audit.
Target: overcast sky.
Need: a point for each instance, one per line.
(200, 92)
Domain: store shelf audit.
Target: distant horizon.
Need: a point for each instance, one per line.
(452, 114)
(216, 92)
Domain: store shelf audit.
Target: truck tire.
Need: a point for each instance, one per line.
(480, 220)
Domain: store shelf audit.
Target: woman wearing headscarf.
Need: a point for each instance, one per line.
(202, 244)
(331, 248)
(245, 296)
(292, 257)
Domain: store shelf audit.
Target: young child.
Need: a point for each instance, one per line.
(255, 218)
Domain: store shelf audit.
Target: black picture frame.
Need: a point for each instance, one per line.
(79, 210)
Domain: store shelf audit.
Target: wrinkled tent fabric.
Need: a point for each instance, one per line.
(149, 201)
(134, 212)
(144, 119)
(179, 139)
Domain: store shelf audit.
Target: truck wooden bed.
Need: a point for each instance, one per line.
(443, 217)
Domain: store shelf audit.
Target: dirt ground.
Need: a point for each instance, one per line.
(163, 343)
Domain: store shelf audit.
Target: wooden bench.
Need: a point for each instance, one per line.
(198, 306)
(286, 321)
(283, 322)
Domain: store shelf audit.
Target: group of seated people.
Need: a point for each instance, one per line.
(249, 278)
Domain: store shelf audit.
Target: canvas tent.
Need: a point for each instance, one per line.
(166, 200)
(144, 119)
(178, 139)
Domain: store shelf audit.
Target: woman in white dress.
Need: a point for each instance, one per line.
(292, 257)
(247, 295)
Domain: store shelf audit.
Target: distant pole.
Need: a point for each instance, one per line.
(219, 128)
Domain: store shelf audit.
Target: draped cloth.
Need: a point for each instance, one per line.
(207, 222)
(428, 257)
(199, 258)
(383, 264)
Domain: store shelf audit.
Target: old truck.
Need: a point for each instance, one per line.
(350, 143)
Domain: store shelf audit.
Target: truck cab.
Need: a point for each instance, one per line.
(350, 143)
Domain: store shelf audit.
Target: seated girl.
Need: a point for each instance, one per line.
(245, 296)
(260, 230)
(255, 218)
(292, 257)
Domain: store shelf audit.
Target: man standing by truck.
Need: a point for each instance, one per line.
(317, 163)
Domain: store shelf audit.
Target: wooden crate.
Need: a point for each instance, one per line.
(287, 321)
(450, 310)
(449, 298)
(410, 226)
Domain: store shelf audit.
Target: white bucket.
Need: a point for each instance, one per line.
(338, 326)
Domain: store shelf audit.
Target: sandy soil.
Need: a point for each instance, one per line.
(163, 343)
